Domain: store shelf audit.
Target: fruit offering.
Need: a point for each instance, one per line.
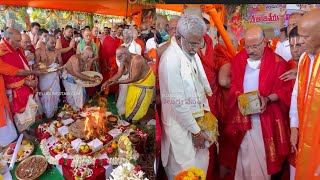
(59, 124)
(25, 150)
(85, 149)
(69, 137)
(105, 138)
(114, 144)
(57, 148)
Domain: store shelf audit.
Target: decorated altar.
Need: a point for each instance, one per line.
(94, 143)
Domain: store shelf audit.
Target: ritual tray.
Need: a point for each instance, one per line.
(31, 168)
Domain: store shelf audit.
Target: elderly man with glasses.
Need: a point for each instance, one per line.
(183, 89)
(260, 140)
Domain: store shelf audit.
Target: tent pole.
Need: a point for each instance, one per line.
(219, 24)
(127, 9)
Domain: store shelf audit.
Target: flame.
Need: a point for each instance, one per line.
(95, 124)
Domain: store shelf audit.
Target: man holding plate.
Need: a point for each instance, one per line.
(260, 139)
(141, 81)
(49, 83)
(77, 63)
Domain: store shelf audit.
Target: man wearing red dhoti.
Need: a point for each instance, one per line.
(260, 141)
(66, 44)
(108, 62)
(305, 102)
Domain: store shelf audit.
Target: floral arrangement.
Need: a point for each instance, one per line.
(82, 173)
(127, 171)
(191, 174)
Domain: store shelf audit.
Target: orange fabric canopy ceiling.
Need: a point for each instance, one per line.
(107, 7)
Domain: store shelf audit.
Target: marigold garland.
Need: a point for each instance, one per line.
(191, 174)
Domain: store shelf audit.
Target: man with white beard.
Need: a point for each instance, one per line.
(183, 81)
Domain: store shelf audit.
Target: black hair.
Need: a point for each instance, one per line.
(56, 31)
(41, 31)
(33, 24)
(293, 32)
(87, 27)
(68, 27)
(284, 29)
(206, 21)
(225, 27)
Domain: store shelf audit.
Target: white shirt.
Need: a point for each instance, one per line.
(151, 44)
(283, 50)
(293, 114)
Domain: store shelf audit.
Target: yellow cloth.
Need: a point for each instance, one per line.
(209, 124)
(139, 97)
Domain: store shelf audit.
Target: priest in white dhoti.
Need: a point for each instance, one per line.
(183, 89)
(134, 48)
(50, 83)
(77, 63)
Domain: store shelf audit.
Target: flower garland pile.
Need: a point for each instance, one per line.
(127, 171)
(191, 174)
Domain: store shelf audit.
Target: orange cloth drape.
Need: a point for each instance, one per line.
(309, 120)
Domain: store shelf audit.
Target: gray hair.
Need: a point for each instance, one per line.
(7, 34)
(127, 31)
(193, 11)
(174, 18)
(191, 25)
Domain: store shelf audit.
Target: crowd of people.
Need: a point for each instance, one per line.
(186, 71)
(40, 68)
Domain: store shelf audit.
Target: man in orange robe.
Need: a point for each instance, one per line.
(216, 63)
(11, 53)
(305, 102)
(108, 62)
(257, 67)
(6, 123)
(220, 83)
(20, 86)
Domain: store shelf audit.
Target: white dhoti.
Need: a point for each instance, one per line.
(292, 172)
(50, 91)
(75, 94)
(201, 161)
(123, 91)
(121, 101)
(251, 161)
(8, 133)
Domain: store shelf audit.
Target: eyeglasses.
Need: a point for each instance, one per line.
(255, 46)
(191, 44)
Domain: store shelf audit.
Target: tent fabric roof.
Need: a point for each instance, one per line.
(107, 7)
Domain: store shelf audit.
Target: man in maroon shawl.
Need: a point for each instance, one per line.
(66, 44)
(108, 63)
(259, 142)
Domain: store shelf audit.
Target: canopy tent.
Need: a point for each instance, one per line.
(107, 7)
